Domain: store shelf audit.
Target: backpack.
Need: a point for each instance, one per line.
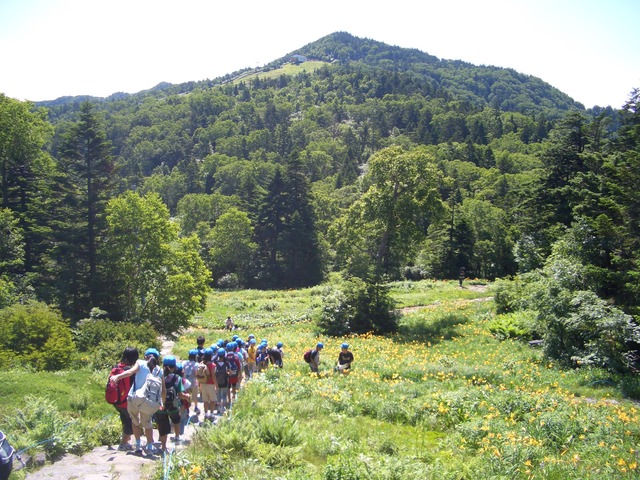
(116, 393)
(232, 369)
(172, 400)
(189, 369)
(202, 372)
(6, 457)
(222, 377)
(149, 397)
(307, 356)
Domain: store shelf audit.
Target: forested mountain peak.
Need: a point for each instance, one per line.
(500, 88)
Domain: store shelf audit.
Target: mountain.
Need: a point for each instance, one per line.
(501, 88)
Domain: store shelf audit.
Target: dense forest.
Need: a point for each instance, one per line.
(375, 161)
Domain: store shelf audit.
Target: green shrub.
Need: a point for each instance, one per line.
(91, 332)
(35, 334)
(102, 341)
(516, 325)
(358, 307)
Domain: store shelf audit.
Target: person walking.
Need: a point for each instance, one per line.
(141, 421)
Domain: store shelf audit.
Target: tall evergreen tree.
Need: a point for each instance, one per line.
(26, 173)
(286, 232)
(87, 180)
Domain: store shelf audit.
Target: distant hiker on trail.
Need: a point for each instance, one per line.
(189, 369)
(200, 348)
(314, 357)
(229, 324)
(275, 356)
(345, 357)
(129, 359)
(252, 353)
(206, 374)
(222, 380)
(462, 274)
(169, 413)
(140, 420)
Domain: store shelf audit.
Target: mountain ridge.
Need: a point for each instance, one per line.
(498, 86)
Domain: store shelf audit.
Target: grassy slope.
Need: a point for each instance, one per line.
(287, 69)
(441, 399)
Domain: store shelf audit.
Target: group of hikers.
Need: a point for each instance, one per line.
(147, 390)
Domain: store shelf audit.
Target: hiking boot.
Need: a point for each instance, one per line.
(150, 450)
(125, 447)
(175, 439)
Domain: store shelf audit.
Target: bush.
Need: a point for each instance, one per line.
(90, 333)
(513, 325)
(34, 334)
(358, 307)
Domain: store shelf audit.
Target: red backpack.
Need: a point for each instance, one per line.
(116, 393)
(307, 356)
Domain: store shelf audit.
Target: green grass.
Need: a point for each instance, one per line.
(287, 69)
(442, 398)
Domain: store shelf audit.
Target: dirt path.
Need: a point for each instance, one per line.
(475, 288)
(107, 463)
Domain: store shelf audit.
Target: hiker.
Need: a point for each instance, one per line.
(234, 370)
(275, 356)
(462, 274)
(222, 381)
(229, 324)
(262, 358)
(345, 357)
(314, 358)
(189, 369)
(169, 413)
(141, 421)
(184, 403)
(252, 352)
(207, 380)
(129, 358)
(200, 348)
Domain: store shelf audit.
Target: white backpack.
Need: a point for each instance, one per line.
(149, 397)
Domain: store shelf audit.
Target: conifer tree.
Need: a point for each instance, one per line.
(88, 170)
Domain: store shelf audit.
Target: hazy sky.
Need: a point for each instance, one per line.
(589, 49)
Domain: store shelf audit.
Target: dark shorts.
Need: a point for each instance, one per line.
(164, 421)
(125, 419)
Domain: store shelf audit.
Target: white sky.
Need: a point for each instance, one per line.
(589, 49)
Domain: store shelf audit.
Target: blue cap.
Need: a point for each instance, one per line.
(179, 368)
(152, 351)
(193, 351)
(221, 352)
(279, 344)
(234, 338)
(320, 345)
(344, 345)
(240, 342)
(169, 361)
(251, 335)
(208, 351)
(252, 341)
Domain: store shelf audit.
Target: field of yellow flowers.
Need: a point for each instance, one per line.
(441, 399)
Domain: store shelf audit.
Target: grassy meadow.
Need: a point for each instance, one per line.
(287, 69)
(440, 399)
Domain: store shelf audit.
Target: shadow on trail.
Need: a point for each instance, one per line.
(418, 329)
